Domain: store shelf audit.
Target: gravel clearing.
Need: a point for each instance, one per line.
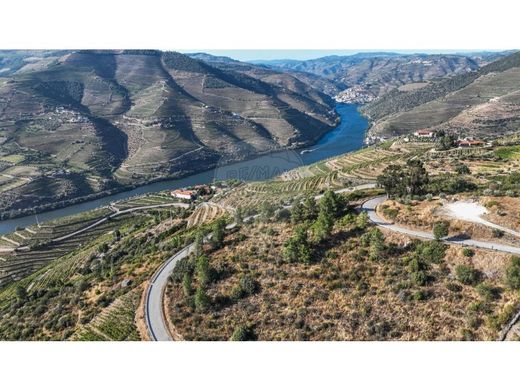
(472, 212)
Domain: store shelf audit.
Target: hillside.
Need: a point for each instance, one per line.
(363, 77)
(482, 102)
(91, 122)
(287, 274)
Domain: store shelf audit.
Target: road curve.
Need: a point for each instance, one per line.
(154, 309)
(370, 207)
(153, 306)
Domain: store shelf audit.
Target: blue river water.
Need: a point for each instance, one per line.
(348, 136)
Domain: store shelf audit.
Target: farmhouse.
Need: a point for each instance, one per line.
(424, 133)
(184, 194)
(469, 143)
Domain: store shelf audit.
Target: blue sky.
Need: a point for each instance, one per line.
(250, 55)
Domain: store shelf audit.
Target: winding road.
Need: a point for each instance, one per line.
(154, 299)
(105, 219)
(370, 207)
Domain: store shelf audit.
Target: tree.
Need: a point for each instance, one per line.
(513, 273)
(362, 220)
(332, 203)
(187, 284)
(445, 142)
(203, 270)
(297, 248)
(323, 226)
(266, 212)
(404, 180)
(466, 274)
(440, 229)
(297, 212)
(392, 179)
(199, 240)
(202, 300)
(416, 177)
(329, 209)
(217, 237)
(310, 209)
(377, 244)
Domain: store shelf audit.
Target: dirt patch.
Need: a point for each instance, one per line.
(422, 215)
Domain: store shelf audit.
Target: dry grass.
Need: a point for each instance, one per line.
(342, 296)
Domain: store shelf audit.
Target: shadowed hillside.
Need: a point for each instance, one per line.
(119, 118)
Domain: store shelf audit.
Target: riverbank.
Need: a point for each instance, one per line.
(348, 136)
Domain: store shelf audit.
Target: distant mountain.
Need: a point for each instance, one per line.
(483, 102)
(12, 61)
(322, 84)
(364, 77)
(91, 121)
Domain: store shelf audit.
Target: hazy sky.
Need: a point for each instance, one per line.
(249, 55)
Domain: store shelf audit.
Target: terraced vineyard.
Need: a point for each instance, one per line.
(147, 200)
(35, 235)
(17, 264)
(115, 323)
(205, 213)
(347, 170)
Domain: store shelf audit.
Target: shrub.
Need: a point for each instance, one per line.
(283, 215)
(243, 333)
(468, 252)
(462, 169)
(488, 292)
(420, 278)
(466, 274)
(513, 273)
(246, 286)
(441, 229)
(497, 233)
(430, 251)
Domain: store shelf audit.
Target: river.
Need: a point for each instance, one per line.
(346, 137)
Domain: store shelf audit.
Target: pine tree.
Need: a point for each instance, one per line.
(202, 300)
(310, 209)
(297, 248)
(187, 284)
(362, 220)
(218, 233)
(199, 240)
(203, 270)
(296, 212)
(377, 244)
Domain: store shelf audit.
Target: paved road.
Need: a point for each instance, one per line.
(370, 207)
(103, 220)
(154, 313)
(153, 306)
(153, 309)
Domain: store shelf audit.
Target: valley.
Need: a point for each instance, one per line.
(413, 237)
